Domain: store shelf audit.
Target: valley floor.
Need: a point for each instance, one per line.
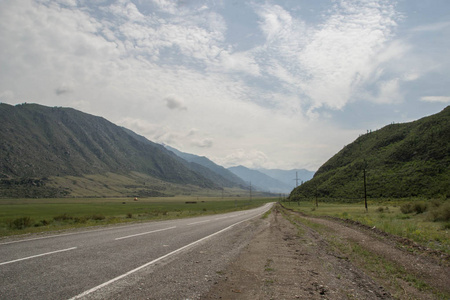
(299, 257)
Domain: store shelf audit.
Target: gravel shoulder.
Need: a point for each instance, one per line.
(299, 257)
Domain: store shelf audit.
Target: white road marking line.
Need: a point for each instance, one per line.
(199, 222)
(85, 293)
(43, 254)
(57, 235)
(40, 238)
(148, 232)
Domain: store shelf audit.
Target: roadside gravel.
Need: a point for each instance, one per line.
(298, 257)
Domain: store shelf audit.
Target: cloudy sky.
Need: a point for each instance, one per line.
(275, 84)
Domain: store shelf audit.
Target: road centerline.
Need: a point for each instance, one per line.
(38, 255)
(143, 233)
(199, 222)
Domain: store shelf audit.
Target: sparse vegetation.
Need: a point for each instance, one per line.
(440, 212)
(428, 228)
(268, 267)
(266, 214)
(389, 271)
(20, 223)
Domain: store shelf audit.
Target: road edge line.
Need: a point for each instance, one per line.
(38, 255)
(143, 233)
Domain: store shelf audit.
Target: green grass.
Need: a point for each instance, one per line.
(19, 216)
(266, 214)
(268, 266)
(385, 216)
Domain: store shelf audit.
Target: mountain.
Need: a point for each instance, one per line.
(38, 142)
(400, 160)
(289, 177)
(202, 165)
(260, 181)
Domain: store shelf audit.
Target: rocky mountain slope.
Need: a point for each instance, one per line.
(38, 142)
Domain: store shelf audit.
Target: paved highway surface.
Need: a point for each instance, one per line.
(79, 265)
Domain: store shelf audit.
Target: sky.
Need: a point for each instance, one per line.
(265, 84)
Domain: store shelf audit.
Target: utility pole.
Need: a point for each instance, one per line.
(317, 204)
(250, 191)
(365, 187)
(296, 179)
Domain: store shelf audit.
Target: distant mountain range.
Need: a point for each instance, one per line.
(291, 178)
(55, 152)
(214, 172)
(267, 180)
(272, 180)
(400, 160)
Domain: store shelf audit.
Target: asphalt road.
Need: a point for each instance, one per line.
(79, 265)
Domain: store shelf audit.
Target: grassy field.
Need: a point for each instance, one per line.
(20, 216)
(423, 228)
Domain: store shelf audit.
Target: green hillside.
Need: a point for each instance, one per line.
(401, 160)
(38, 142)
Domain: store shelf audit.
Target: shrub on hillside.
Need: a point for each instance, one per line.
(440, 213)
(63, 217)
(406, 208)
(44, 223)
(418, 207)
(380, 209)
(98, 217)
(20, 223)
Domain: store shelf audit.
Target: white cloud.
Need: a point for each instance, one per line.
(167, 70)
(389, 91)
(442, 99)
(127, 10)
(204, 143)
(250, 159)
(237, 62)
(328, 63)
(166, 5)
(7, 96)
(431, 27)
(174, 102)
(277, 24)
(64, 88)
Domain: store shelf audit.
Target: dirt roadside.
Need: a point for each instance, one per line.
(299, 257)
